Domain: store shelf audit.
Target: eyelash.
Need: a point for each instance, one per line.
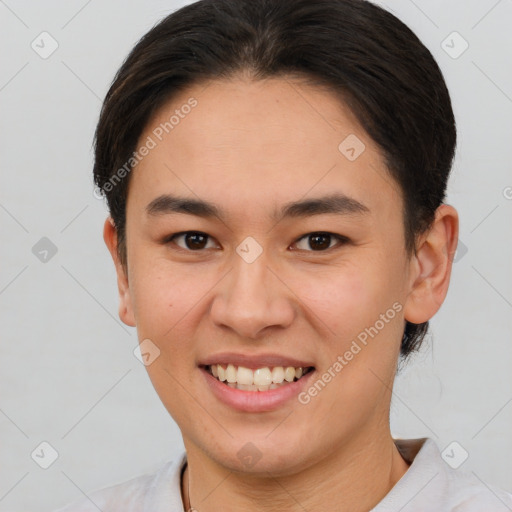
(342, 240)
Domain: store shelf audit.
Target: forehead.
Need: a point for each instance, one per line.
(252, 143)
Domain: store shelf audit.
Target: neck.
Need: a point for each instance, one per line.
(356, 478)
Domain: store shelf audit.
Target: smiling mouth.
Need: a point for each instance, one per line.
(260, 379)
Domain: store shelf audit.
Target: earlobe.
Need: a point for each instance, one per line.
(431, 266)
(125, 302)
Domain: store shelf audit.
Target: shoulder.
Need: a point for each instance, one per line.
(431, 484)
(138, 494)
(468, 493)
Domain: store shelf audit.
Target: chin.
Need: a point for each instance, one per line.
(277, 453)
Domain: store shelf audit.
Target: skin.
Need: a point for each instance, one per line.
(250, 147)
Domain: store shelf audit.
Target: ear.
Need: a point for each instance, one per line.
(431, 266)
(125, 303)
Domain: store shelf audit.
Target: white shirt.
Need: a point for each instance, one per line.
(429, 485)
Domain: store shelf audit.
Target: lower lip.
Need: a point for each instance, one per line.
(255, 401)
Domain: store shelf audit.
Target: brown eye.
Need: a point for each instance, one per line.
(320, 242)
(193, 240)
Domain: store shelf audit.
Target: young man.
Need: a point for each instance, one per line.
(275, 172)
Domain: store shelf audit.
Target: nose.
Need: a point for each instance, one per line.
(251, 299)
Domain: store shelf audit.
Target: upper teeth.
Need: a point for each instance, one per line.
(259, 377)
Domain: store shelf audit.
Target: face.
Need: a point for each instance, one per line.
(254, 239)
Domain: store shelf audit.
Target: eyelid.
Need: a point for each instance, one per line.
(170, 238)
(342, 240)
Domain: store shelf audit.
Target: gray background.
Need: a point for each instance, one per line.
(68, 373)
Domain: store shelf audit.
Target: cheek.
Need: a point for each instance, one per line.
(359, 306)
(345, 299)
(162, 295)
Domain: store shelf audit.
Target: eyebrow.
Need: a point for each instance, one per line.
(338, 204)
